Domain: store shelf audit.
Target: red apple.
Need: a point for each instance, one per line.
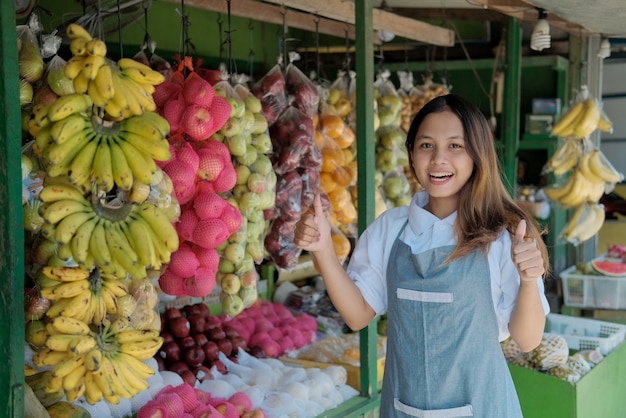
(193, 356)
(200, 339)
(202, 373)
(186, 343)
(167, 337)
(178, 367)
(211, 322)
(160, 363)
(257, 352)
(238, 342)
(225, 346)
(179, 327)
(216, 333)
(196, 323)
(190, 310)
(169, 352)
(219, 366)
(204, 309)
(188, 377)
(230, 331)
(211, 351)
(171, 313)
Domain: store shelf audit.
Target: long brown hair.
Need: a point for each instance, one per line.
(485, 206)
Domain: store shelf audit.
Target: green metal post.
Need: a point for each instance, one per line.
(11, 222)
(365, 165)
(511, 103)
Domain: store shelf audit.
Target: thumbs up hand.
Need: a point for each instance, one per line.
(526, 255)
(312, 231)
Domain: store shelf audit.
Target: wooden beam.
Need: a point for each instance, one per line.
(419, 13)
(343, 11)
(273, 14)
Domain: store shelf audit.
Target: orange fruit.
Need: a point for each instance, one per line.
(348, 155)
(319, 139)
(342, 245)
(327, 182)
(343, 175)
(332, 157)
(339, 198)
(347, 215)
(332, 125)
(343, 107)
(346, 138)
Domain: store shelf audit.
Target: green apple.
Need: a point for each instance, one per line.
(403, 157)
(226, 266)
(255, 229)
(333, 96)
(249, 157)
(240, 236)
(262, 142)
(238, 106)
(243, 172)
(386, 160)
(217, 136)
(262, 165)
(234, 252)
(256, 216)
(253, 104)
(230, 283)
(246, 264)
(248, 295)
(391, 101)
(394, 187)
(392, 139)
(256, 250)
(236, 144)
(249, 202)
(231, 127)
(257, 183)
(268, 198)
(247, 121)
(259, 125)
(232, 305)
(239, 190)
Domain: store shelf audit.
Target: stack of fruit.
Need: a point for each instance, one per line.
(31, 65)
(590, 172)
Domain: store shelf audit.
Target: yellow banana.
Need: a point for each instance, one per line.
(163, 254)
(65, 274)
(143, 166)
(77, 304)
(91, 66)
(137, 383)
(119, 323)
(114, 111)
(110, 302)
(579, 192)
(70, 326)
(80, 168)
(82, 344)
(93, 360)
(604, 124)
(60, 156)
(75, 31)
(142, 350)
(143, 75)
(78, 47)
(43, 138)
(54, 384)
(137, 100)
(58, 210)
(73, 394)
(64, 129)
(121, 385)
(68, 226)
(142, 242)
(57, 307)
(65, 290)
(96, 97)
(564, 127)
(122, 173)
(73, 67)
(135, 335)
(93, 394)
(103, 380)
(122, 252)
(64, 252)
(48, 357)
(602, 168)
(120, 98)
(55, 192)
(141, 369)
(67, 105)
(60, 342)
(594, 224)
(115, 286)
(104, 82)
(68, 365)
(160, 224)
(102, 165)
(588, 122)
(80, 241)
(96, 47)
(126, 63)
(81, 83)
(138, 124)
(580, 222)
(158, 150)
(585, 168)
(98, 246)
(565, 157)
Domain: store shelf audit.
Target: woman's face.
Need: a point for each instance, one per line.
(440, 158)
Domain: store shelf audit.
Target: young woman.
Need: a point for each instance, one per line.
(457, 271)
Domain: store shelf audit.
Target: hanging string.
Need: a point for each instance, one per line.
(119, 28)
(231, 64)
(220, 33)
(347, 59)
(283, 12)
(317, 45)
(146, 38)
(186, 44)
(251, 51)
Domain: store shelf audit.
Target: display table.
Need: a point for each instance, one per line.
(601, 393)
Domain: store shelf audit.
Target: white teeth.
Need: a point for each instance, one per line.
(440, 174)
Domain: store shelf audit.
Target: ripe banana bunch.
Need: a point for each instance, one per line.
(577, 190)
(122, 89)
(97, 362)
(582, 119)
(89, 297)
(586, 221)
(80, 145)
(119, 240)
(597, 168)
(565, 157)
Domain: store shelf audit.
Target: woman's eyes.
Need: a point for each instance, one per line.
(429, 145)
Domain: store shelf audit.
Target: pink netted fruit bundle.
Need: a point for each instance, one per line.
(207, 257)
(232, 217)
(210, 233)
(183, 178)
(187, 222)
(200, 284)
(208, 205)
(183, 261)
(211, 164)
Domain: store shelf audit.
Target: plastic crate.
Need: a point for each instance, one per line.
(586, 334)
(593, 291)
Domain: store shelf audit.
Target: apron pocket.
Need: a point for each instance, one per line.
(458, 412)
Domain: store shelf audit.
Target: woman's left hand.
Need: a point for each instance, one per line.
(526, 255)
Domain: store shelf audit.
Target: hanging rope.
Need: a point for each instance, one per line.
(347, 59)
(251, 51)
(119, 28)
(220, 33)
(231, 64)
(317, 45)
(147, 41)
(283, 12)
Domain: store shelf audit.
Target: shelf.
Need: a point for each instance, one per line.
(538, 142)
(353, 408)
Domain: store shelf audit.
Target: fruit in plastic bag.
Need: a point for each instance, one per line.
(552, 351)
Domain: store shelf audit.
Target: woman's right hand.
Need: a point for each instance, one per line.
(313, 230)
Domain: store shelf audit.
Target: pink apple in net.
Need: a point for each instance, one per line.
(221, 111)
(186, 224)
(226, 179)
(189, 155)
(201, 284)
(218, 147)
(198, 91)
(173, 110)
(232, 217)
(164, 92)
(209, 205)
(208, 257)
(183, 262)
(230, 283)
(197, 122)
(210, 164)
(210, 233)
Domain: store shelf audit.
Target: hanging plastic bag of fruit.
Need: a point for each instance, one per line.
(270, 89)
(302, 91)
(337, 97)
(395, 188)
(582, 118)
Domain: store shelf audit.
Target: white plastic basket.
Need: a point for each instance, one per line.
(586, 334)
(593, 291)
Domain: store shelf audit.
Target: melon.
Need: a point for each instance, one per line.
(609, 268)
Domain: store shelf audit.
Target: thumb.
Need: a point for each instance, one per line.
(520, 231)
(317, 205)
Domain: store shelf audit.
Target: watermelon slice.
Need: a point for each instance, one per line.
(609, 268)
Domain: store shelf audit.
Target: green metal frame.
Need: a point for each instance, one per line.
(11, 222)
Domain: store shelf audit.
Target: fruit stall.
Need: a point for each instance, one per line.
(159, 196)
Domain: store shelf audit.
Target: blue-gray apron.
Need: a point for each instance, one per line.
(443, 356)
